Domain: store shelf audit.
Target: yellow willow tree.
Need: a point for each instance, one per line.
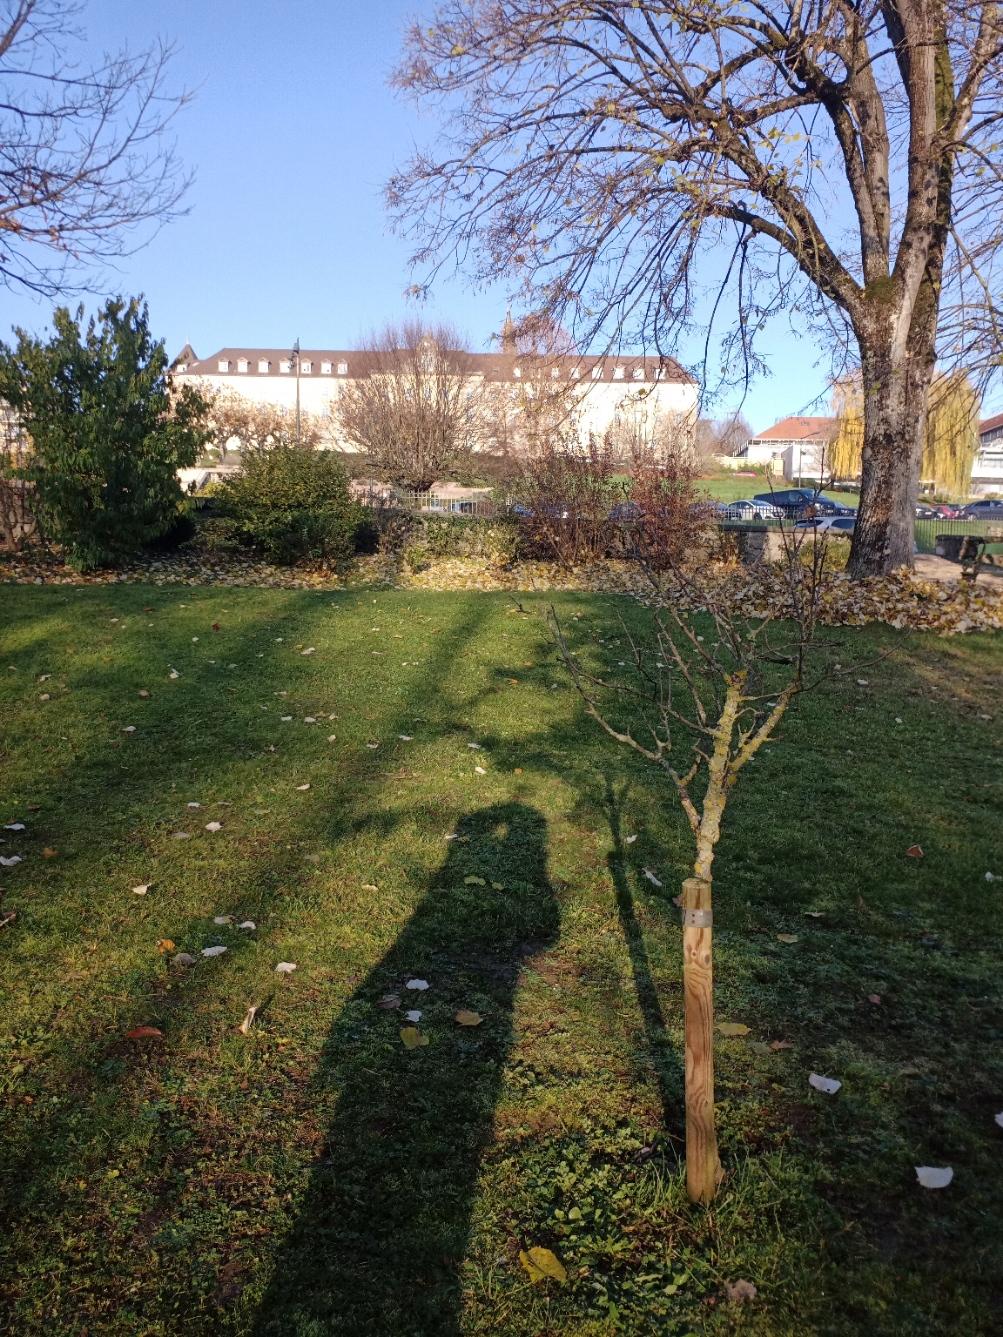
(950, 432)
(704, 688)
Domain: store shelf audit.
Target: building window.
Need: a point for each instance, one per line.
(306, 368)
(517, 372)
(618, 373)
(596, 373)
(660, 374)
(285, 365)
(242, 364)
(342, 368)
(264, 366)
(182, 368)
(325, 368)
(575, 373)
(554, 373)
(638, 373)
(223, 364)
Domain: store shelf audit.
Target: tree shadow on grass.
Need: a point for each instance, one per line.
(383, 1225)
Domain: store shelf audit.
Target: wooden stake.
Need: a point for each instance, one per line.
(703, 1169)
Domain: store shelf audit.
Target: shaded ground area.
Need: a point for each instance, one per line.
(315, 1175)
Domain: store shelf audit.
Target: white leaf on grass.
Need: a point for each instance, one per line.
(990, 877)
(413, 1015)
(655, 882)
(475, 746)
(416, 984)
(248, 1022)
(223, 919)
(332, 737)
(174, 674)
(310, 650)
(285, 967)
(629, 840)
(214, 826)
(247, 924)
(129, 728)
(999, 1120)
(181, 835)
(479, 770)
(406, 737)
(213, 951)
(142, 889)
(309, 719)
(193, 805)
(301, 788)
(44, 677)
(285, 718)
(934, 1176)
(827, 1085)
(11, 861)
(44, 696)
(14, 826)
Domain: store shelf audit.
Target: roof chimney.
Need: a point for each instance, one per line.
(508, 334)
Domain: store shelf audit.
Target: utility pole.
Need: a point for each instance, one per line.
(296, 355)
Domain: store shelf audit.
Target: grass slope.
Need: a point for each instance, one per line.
(315, 1176)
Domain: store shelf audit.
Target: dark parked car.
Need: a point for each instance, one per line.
(982, 510)
(796, 502)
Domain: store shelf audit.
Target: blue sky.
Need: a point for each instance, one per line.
(291, 135)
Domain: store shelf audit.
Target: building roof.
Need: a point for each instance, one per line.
(499, 366)
(799, 429)
(990, 424)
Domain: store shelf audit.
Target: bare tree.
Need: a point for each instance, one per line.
(705, 689)
(416, 407)
(844, 160)
(260, 426)
(87, 158)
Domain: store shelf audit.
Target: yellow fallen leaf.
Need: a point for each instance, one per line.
(412, 1037)
(473, 882)
(541, 1264)
(787, 937)
(732, 1028)
(165, 945)
(467, 1018)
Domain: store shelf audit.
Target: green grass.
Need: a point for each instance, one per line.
(726, 487)
(315, 1176)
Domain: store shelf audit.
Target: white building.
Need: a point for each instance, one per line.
(987, 471)
(793, 446)
(652, 389)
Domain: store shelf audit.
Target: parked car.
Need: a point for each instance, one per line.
(838, 525)
(796, 502)
(928, 513)
(751, 510)
(982, 510)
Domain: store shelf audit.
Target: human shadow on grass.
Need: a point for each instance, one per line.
(383, 1225)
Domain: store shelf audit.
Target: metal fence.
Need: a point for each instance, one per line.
(466, 503)
(928, 531)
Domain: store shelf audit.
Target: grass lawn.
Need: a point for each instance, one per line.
(315, 1176)
(727, 487)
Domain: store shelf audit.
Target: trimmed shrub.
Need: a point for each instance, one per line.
(438, 536)
(293, 505)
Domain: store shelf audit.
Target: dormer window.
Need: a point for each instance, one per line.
(517, 372)
(306, 368)
(638, 373)
(576, 373)
(325, 368)
(554, 373)
(285, 366)
(596, 373)
(660, 374)
(242, 364)
(618, 373)
(223, 364)
(342, 368)
(264, 366)
(182, 367)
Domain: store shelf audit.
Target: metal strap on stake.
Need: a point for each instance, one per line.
(698, 918)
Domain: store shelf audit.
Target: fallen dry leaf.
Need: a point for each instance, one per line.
(144, 1033)
(655, 882)
(222, 919)
(285, 967)
(787, 937)
(10, 861)
(143, 694)
(165, 945)
(183, 959)
(302, 788)
(247, 925)
(874, 998)
(414, 1015)
(50, 853)
(467, 1018)
(214, 826)
(914, 852)
(142, 889)
(416, 984)
(542, 1264)
(213, 951)
(389, 1001)
(732, 1028)
(412, 1037)
(474, 881)
(248, 1022)
(777, 1045)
